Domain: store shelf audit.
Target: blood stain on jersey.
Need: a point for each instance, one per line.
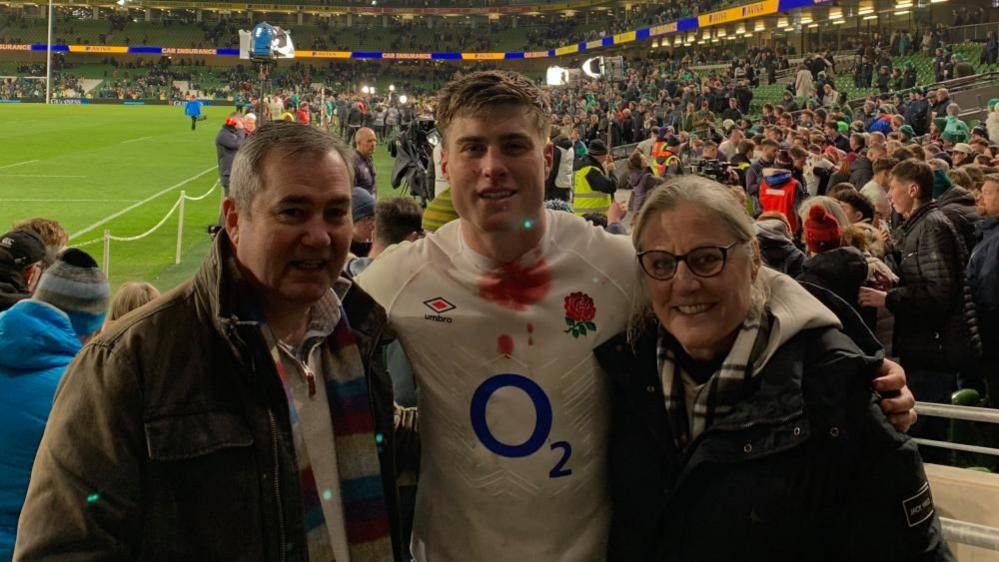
(505, 344)
(530, 334)
(516, 287)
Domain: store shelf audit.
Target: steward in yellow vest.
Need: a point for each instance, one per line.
(593, 190)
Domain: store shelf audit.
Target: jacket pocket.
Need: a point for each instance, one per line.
(192, 435)
(202, 489)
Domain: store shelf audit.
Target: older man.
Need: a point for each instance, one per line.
(364, 163)
(983, 278)
(941, 102)
(499, 313)
(246, 415)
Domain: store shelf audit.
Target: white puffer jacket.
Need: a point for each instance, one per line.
(992, 124)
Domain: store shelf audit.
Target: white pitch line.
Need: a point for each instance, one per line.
(19, 164)
(36, 176)
(136, 140)
(111, 217)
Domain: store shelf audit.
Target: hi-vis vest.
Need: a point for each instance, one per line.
(585, 199)
(661, 158)
(781, 199)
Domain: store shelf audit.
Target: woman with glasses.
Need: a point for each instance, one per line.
(744, 427)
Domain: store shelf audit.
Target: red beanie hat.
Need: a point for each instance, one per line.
(822, 231)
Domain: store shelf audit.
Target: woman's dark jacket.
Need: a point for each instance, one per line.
(805, 468)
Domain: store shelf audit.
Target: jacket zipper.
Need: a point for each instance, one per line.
(277, 482)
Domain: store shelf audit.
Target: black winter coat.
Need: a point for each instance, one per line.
(805, 468)
(227, 143)
(959, 206)
(779, 253)
(842, 271)
(861, 171)
(983, 278)
(917, 114)
(940, 107)
(927, 294)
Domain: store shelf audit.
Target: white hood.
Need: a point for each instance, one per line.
(992, 125)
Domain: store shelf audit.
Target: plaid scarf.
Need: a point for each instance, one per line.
(356, 448)
(723, 390)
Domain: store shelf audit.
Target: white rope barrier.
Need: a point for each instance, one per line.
(179, 204)
(151, 230)
(200, 197)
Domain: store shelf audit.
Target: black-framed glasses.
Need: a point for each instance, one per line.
(705, 261)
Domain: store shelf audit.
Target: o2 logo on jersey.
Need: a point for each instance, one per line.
(542, 425)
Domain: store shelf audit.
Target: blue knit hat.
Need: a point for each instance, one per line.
(362, 204)
(75, 285)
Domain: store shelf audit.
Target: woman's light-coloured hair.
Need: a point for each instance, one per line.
(831, 206)
(872, 241)
(130, 296)
(710, 197)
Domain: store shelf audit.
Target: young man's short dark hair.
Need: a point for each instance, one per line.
(883, 164)
(917, 172)
(840, 187)
(903, 154)
(396, 218)
(858, 202)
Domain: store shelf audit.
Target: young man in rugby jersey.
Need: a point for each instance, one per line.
(499, 313)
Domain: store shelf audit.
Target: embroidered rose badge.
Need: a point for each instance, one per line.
(579, 314)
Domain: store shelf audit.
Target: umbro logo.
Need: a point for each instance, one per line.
(439, 305)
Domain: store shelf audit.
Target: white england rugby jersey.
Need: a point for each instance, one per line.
(514, 410)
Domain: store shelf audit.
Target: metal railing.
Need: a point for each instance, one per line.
(978, 32)
(953, 86)
(966, 413)
(840, 60)
(971, 534)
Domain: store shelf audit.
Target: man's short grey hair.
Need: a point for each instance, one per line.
(290, 139)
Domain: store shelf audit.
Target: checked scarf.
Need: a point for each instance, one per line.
(356, 449)
(723, 390)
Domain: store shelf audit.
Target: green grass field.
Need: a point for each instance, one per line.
(121, 168)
